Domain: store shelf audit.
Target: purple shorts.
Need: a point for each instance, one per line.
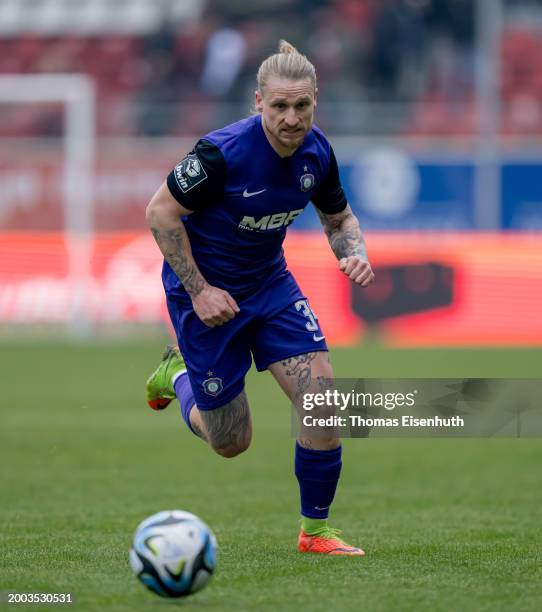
(273, 324)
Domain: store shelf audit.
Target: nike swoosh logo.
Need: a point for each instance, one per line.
(249, 194)
(318, 508)
(317, 338)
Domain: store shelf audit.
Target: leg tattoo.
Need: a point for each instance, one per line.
(228, 429)
(299, 367)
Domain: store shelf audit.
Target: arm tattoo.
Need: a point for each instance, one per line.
(175, 247)
(343, 233)
(229, 424)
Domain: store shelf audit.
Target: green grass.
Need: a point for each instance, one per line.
(447, 524)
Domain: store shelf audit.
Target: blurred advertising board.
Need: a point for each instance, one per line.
(521, 187)
(390, 190)
(431, 289)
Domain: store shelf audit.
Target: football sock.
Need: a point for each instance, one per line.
(317, 472)
(185, 395)
(313, 526)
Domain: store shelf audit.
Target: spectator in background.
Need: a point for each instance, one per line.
(224, 59)
(451, 23)
(398, 50)
(190, 76)
(158, 93)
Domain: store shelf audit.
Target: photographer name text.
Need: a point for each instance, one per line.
(334, 400)
(406, 420)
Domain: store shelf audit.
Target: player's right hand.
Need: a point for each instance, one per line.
(214, 306)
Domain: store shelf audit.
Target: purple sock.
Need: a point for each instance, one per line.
(318, 473)
(184, 393)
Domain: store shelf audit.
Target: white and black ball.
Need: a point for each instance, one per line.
(173, 553)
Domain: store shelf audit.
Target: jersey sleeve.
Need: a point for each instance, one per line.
(329, 196)
(199, 178)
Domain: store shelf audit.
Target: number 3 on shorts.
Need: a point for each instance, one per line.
(303, 307)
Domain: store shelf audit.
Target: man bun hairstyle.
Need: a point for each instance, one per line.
(286, 48)
(288, 63)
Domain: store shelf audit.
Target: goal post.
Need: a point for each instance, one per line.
(76, 93)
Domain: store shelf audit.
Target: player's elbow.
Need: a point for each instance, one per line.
(158, 212)
(152, 212)
(149, 214)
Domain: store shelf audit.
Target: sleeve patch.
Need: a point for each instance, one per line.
(189, 172)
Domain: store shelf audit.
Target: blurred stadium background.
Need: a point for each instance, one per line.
(434, 108)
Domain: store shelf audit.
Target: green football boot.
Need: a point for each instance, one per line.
(160, 389)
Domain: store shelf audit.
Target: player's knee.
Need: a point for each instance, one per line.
(229, 452)
(229, 428)
(233, 447)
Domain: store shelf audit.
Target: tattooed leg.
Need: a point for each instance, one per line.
(228, 429)
(308, 373)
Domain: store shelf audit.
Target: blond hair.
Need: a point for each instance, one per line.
(288, 63)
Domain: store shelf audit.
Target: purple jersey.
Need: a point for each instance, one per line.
(244, 196)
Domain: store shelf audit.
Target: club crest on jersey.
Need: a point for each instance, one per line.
(212, 386)
(307, 180)
(189, 172)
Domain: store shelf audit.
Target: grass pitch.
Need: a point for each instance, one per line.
(446, 524)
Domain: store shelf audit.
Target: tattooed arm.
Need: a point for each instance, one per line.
(212, 305)
(346, 241)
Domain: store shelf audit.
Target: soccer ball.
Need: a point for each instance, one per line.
(173, 553)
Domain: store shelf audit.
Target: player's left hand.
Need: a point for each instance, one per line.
(357, 269)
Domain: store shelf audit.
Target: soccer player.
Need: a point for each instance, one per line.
(220, 219)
